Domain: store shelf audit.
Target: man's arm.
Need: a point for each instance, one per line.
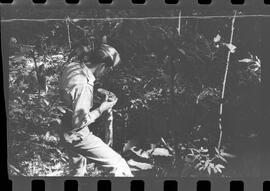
(82, 96)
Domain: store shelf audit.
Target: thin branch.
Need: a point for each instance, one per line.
(68, 30)
(224, 83)
(179, 24)
(79, 27)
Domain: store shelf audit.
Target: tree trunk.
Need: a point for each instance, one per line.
(36, 69)
(109, 129)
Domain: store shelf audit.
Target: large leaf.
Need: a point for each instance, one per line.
(217, 38)
(139, 165)
(227, 155)
(209, 170)
(246, 60)
(219, 167)
(141, 153)
(231, 47)
(161, 152)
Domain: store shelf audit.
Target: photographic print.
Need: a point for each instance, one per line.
(133, 93)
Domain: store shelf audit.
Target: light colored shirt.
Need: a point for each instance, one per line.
(76, 86)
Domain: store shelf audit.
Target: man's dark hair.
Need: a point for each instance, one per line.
(98, 56)
(101, 54)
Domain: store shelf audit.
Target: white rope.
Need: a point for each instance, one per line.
(135, 18)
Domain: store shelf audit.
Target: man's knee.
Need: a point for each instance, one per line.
(122, 169)
(77, 165)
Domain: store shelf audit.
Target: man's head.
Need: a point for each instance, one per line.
(102, 60)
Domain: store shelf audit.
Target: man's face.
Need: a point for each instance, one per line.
(102, 70)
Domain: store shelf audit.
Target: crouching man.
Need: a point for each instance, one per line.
(76, 87)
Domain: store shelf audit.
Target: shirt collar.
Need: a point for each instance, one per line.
(90, 76)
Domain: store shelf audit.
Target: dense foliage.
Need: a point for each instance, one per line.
(169, 88)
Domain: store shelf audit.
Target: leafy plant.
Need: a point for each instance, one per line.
(202, 160)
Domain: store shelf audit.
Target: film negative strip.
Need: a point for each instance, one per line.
(136, 95)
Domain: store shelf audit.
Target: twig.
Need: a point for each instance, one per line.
(12, 167)
(179, 24)
(167, 146)
(148, 82)
(224, 84)
(162, 29)
(77, 26)
(67, 23)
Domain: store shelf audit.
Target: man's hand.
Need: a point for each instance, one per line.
(107, 105)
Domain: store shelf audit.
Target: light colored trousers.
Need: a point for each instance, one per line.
(83, 145)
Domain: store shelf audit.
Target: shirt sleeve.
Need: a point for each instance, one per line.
(82, 102)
